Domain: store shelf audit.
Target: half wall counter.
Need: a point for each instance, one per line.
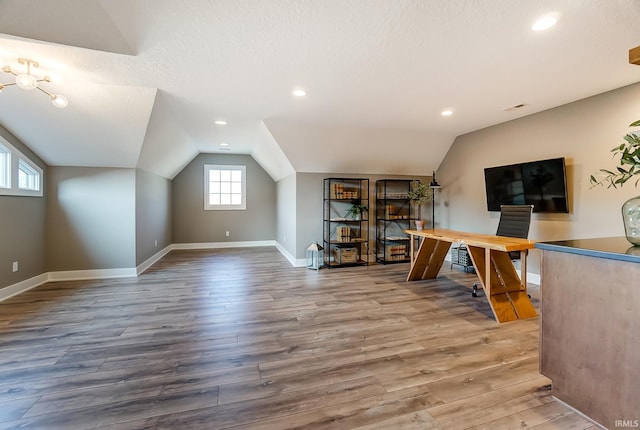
(590, 326)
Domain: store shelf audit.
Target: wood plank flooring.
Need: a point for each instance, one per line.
(239, 339)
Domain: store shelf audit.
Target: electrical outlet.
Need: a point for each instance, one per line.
(284, 238)
(15, 266)
(226, 233)
(155, 243)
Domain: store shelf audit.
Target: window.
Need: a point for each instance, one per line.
(28, 177)
(224, 187)
(19, 176)
(5, 167)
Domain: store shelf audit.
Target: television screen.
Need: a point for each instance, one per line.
(542, 184)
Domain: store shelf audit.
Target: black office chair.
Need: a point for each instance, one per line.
(515, 221)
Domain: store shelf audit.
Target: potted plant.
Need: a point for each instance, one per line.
(356, 210)
(629, 167)
(419, 193)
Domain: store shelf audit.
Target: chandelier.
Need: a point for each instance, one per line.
(28, 81)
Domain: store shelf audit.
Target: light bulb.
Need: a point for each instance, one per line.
(544, 23)
(26, 82)
(59, 101)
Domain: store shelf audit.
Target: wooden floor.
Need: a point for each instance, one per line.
(239, 339)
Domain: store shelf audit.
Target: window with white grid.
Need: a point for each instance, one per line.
(224, 187)
(19, 176)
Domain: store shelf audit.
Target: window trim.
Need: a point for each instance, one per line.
(243, 203)
(5, 179)
(15, 158)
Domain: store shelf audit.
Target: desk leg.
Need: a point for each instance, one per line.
(506, 292)
(412, 249)
(428, 260)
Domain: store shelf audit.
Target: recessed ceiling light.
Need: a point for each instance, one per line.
(299, 93)
(447, 112)
(545, 22)
(224, 144)
(220, 122)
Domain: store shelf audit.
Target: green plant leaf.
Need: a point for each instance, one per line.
(628, 154)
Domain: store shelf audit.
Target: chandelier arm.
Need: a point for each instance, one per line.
(44, 91)
(8, 85)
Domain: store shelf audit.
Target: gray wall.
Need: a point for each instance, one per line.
(90, 218)
(192, 224)
(286, 214)
(153, 214)
(309, 207)
(584, 132)
(22, 237)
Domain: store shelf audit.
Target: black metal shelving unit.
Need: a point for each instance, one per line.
(345, 237)
(394, 214)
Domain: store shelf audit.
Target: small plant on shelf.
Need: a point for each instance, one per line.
(356, 210)
(419, 192)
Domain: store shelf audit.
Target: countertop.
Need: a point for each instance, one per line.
(614, 248)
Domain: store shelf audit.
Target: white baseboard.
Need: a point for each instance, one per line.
(70, 275)
(294, 262)
(152, 260)
(533, 278)
(76, 275)
(215, 245)
(22, 286)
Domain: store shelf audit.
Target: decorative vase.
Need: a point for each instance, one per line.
(420, 224)
(631, 219)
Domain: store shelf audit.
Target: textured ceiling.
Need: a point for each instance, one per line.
(147, 78)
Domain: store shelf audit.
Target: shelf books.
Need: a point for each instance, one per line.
(343, 233)
(338, 192)
(396, 252)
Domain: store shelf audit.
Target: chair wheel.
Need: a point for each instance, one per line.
(474, 293)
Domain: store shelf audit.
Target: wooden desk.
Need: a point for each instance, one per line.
(507, 293)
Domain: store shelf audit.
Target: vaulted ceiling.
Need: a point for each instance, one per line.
(146, 79)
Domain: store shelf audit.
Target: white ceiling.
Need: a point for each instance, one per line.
(147, 78)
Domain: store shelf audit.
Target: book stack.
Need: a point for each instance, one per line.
(396, 252)
(343, 233)
(390, 212)
(338, 192)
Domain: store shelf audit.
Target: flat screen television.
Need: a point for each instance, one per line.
(542, 184)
